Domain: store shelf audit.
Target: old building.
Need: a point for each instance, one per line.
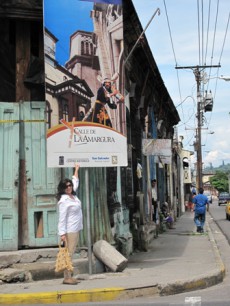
(27, 189)
(120, 199)
(152, 114)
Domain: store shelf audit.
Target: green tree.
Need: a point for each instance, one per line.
(220, 181)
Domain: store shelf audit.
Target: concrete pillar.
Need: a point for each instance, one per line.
(105, 252)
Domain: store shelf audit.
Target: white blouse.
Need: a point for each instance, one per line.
(70, 212)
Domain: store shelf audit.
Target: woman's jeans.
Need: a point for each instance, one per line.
(199, 220)
(72, 240)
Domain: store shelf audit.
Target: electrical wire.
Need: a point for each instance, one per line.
(216, 82)
(174, 54)
(185, 100)
(198, 28)
(187, 143)
(203, 46)
(214, 36)
(178, 79)
(222, 49)
(224, 38)
(202, 23)
(170, 33)
(206, 50)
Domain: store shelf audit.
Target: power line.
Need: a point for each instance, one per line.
(198, 28)
(202, 29)
(170, 34)
(209, 10)
(224, 37)
(214, 36)
(197, 73)
(174, 54)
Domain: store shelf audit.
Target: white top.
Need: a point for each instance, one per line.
(154, 193)
(70, 212)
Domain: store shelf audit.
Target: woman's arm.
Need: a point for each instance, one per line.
(77, 166)
(75, 179)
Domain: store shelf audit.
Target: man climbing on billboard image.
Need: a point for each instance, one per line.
(107, 97)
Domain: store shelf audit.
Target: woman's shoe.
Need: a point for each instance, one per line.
(70, 281)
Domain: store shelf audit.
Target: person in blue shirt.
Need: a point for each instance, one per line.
(200, 201)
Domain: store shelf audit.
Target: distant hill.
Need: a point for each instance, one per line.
(212, 170)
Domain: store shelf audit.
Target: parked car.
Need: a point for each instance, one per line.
(208, 195)
(227, 210)
(223, 198)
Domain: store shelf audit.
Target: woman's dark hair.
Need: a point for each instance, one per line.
(62, 187)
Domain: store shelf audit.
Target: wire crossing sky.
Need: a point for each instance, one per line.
(191, 33)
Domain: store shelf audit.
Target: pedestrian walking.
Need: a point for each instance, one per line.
(200, 202)
(190, 203)
(154, 198)
(70, 218)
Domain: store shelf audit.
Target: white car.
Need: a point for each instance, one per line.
(208, 195)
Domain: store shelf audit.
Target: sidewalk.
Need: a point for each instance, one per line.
(179, 260)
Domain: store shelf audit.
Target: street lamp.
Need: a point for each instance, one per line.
(225, 78)
(222, 77)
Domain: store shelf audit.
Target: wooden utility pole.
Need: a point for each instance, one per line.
(197, 72)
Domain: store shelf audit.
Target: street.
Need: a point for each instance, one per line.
(218, 295)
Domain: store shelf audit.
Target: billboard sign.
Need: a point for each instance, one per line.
(72, 142)
(85, 84)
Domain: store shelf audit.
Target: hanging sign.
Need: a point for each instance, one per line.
(158, 147)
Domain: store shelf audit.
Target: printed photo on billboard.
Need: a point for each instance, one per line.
(85, 83)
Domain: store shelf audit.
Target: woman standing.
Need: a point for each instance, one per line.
(70, 218)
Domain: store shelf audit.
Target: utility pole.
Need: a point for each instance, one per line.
(197, 72)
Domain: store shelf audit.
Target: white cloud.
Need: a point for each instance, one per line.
(184, 29)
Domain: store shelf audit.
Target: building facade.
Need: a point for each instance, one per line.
(121, 204)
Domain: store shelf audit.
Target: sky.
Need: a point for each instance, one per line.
(63, 18)
(177, 38)
(191, 33)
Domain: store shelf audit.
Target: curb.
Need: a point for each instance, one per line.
(199, 283)
(219, 261)
(80, 296)
(77, 296)
(118, 293)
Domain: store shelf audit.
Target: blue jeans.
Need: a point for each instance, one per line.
(199, 219)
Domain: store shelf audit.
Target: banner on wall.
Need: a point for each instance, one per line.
(84, 85)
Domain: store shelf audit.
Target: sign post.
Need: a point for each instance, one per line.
(84, 86)
(88, 220)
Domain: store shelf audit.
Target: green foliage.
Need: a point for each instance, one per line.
(220, 181)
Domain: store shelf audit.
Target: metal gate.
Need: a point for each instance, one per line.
(27, 186)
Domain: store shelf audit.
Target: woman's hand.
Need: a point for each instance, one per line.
(63, 237)
(77, 166)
